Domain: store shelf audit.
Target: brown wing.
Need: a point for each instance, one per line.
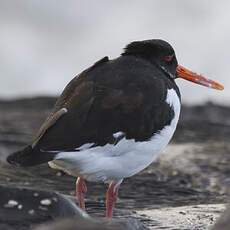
(50, 121)
(110, 97)
(78, 96)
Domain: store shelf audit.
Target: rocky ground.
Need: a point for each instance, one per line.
(185, 189)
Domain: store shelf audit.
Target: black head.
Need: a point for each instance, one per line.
(156, 51)
(161, 54)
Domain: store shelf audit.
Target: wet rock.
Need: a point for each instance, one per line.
(192, 217)
(93, 224)
(193, 170)
(224, 222)
(20, 208)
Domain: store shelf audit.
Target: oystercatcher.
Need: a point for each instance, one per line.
(113, 119)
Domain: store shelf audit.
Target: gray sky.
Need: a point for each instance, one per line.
(44, 44)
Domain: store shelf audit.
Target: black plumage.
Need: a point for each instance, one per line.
(127, 94)
(114, 119)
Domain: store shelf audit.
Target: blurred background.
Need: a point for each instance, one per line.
(44, 44)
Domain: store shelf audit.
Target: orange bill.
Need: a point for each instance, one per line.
(186, 74)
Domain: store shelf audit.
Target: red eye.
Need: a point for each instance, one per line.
(168, 58)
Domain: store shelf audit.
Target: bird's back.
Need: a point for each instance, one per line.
(127, 95)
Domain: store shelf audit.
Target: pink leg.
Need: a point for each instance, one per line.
(111, 197)
(81, 189)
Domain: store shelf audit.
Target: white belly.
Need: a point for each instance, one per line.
(115, 162)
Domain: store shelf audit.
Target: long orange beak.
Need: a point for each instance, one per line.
(186, 74)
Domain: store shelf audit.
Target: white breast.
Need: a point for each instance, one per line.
(115, 162)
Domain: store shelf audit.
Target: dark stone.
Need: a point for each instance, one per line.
(20, 207)
(94, 224)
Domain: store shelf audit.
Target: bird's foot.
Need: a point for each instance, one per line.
(111, 197)
(81, 189)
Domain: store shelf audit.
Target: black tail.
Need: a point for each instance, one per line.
(30, 157)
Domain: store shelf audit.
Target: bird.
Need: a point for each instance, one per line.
(113, 119)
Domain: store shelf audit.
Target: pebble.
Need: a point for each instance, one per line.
(11, 204)
(58, 174)
(43, 208)
(55, 199)
(182, 213)
(31, 212)
(46, 202)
